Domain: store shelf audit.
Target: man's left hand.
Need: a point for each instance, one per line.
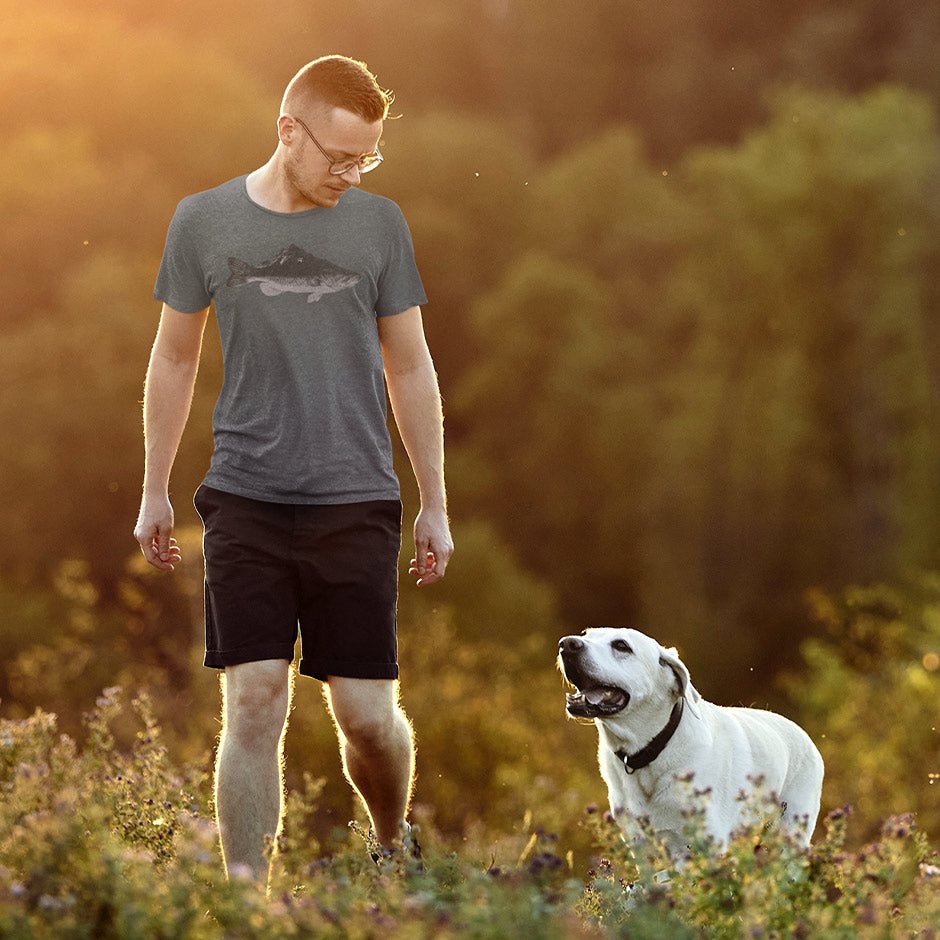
(433, 547)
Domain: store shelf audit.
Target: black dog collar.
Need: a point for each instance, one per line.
(646, 756)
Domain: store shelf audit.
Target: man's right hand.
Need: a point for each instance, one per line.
(154, 533)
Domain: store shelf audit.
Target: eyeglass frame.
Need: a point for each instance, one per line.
(375, 158)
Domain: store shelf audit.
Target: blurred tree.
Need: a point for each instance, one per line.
(569, 389)
(724, 370)
(722, 378)
(462, 183)
(488, 598)
(557, 450)
(70, 424)
(63, 643)
(685, 71)
(810, 288)
(135, 90)
(100, 139)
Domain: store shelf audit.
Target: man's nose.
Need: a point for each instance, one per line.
(352, 175)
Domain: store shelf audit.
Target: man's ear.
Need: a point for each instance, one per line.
(670, 659)
(286, 128)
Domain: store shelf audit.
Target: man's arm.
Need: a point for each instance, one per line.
(168, 395)
(416, 403)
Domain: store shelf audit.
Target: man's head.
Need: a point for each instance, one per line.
(331, 116)
(335, 81)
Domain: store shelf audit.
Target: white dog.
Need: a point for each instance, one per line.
(654, 728)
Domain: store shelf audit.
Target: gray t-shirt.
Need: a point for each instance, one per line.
(301, 415)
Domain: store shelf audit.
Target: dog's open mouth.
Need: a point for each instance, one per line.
(597, 702)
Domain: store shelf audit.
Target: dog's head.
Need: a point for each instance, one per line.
(612, 667)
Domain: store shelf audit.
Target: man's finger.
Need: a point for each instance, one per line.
(415, 567)
(421, 555)
(442, 555)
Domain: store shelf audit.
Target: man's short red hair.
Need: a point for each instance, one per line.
(339, 82)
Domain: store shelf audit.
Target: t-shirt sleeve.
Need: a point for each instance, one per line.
(400, 286)
(181, 280)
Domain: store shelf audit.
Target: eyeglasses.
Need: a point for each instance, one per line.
(338, 167)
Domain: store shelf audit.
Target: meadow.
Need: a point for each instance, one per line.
(109, 832)
(100, 843)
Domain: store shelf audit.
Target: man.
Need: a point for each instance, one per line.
(316, 295)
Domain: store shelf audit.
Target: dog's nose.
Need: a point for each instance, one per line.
(570, 644)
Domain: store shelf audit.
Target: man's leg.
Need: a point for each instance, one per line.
(249, 787)
(377, 745)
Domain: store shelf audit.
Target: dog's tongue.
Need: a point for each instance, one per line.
(593, 703)
(606, 698)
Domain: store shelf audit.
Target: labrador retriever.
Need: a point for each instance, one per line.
(655, 729)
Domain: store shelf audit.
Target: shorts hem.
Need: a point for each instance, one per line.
(321, 671)
(219, 659)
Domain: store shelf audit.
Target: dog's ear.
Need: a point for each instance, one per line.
(670, 659)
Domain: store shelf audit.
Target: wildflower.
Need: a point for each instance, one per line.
(839, 814)
(48, 903)
(108, 696)
(898, 827)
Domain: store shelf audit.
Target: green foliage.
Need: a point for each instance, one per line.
(106, 843)
(463, 182)
(73, 383)
(724, 377)
(566, 442)
(766, 884)
(869, 694)
(809, 289)
(489, 598)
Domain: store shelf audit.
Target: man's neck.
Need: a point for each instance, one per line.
(267, 187)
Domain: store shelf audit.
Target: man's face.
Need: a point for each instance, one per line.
(344, 136)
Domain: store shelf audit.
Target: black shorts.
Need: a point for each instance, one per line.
(331, 570)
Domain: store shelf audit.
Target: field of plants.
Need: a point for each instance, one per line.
(109, 832)
(101, 844)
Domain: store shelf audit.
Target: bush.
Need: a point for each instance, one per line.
(868, 697)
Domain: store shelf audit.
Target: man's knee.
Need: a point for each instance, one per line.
(256, 697)
(367, 711)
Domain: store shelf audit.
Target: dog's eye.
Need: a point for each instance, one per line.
(622, 646)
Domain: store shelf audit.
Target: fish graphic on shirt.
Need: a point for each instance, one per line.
(293, 271)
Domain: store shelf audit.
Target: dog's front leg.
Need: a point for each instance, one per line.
(675, 843)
